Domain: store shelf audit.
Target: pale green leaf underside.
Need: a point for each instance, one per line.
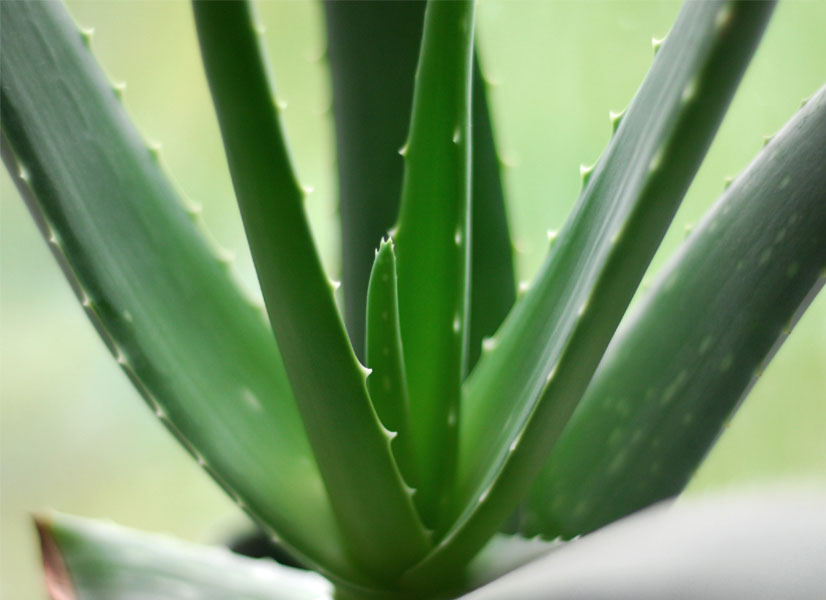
(681, 362)
(432, 247)
(381, 529)
(197, 350)
(760, 547)
(92, 560)
(501, 555)
(549, 346)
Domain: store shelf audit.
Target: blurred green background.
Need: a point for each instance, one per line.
(77, 438)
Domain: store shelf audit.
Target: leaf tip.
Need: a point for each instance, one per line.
(58, 581)
(723, 17)
(585, 173)
(154, 149)
(616, 119)
(390, 435)
(488, 344)
(23, 173)
(507, 161)
(119, 88)
(86, 35)
(193, 209)
(160, 413)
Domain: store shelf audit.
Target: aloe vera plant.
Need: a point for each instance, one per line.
(450, 437)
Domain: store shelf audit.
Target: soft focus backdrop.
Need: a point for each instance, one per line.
(77, 438)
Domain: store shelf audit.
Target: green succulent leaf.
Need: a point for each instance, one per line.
(92, 560)
(371, 503)
(551, 343)
(372, 67)
(691, 351)
(432, 247)
(197, 350)
(387, 383)
(747, 546)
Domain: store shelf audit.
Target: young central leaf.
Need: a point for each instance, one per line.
(387, 383)
(432, 246)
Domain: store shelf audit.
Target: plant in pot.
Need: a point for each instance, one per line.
(451, 437)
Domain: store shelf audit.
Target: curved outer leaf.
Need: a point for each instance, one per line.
(371, 503)
(681, 362)
(91, 560)
(387, 383)
(550, 345)
(432, 247)
(200, 354)
(760, 547)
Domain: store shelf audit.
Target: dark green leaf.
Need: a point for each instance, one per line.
(432, 247)
(371, 503)
(691, 351)
(551, 343)
(200, 353)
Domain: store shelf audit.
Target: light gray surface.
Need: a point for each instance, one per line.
(758, 546)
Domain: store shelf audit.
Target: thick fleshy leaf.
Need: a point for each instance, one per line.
(92, 560)
(387, 383)
(549, 346)
(371, 503)
(751, 546)
(693, 348)
(200, 353)
(432, 247)
(373, 48)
